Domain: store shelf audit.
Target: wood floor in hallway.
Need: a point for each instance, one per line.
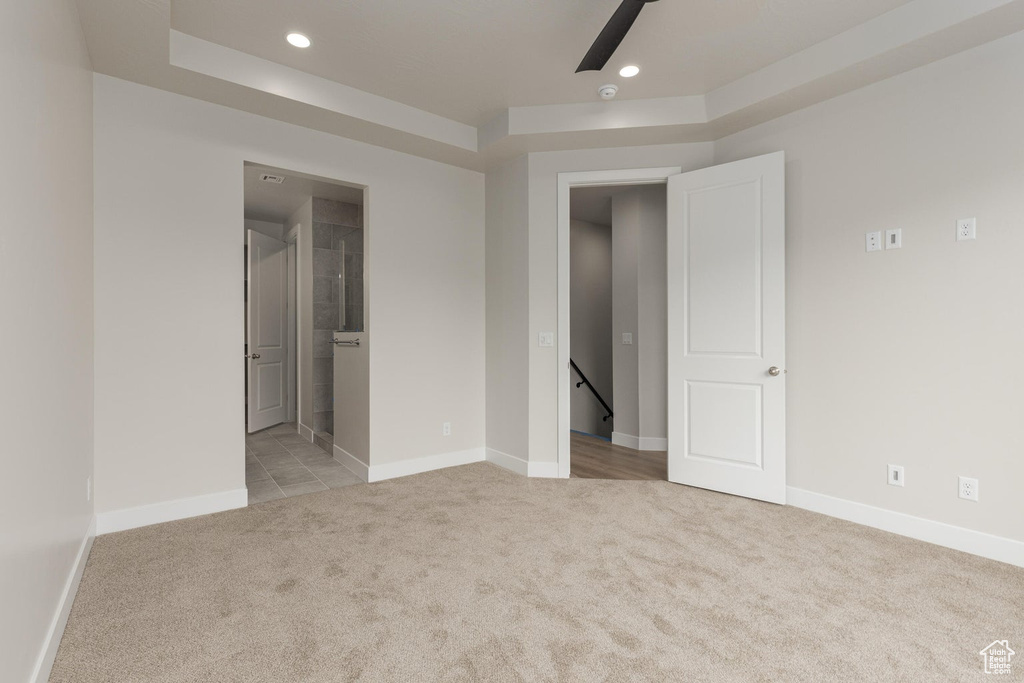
(593, 458)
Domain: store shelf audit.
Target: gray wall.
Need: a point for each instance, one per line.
(590, 325)
(652, 318)
(625, 238)
(639, 309)
(337, 293)
(170, 165)
(507, 299)
(46, 295)
(913, 356)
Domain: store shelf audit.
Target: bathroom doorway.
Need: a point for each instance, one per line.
(304, 288)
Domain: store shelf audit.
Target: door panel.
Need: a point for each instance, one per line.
(267, 330)
(724, 422)
(723, 253)
(726, 327)
(269, 378)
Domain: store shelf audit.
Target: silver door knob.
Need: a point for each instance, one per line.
(256, 355)
(775, 371)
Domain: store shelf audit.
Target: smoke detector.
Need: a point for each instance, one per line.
(270, 178)
(608, 91)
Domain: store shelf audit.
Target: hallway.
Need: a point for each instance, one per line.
(594, 458)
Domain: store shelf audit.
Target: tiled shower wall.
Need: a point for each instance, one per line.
(337, 294)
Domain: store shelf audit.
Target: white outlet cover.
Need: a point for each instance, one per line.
(873, 241)
(627, 338)
(966, 229)
(546, 339)
(446, 429)
(894, 239)
(967, 488)
(896, 477)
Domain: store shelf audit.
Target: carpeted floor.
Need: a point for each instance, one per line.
(477, 574)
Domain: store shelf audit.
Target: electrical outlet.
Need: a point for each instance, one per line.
(873, 241)
(895, 475)
(546, 339)
(969, 489)
(88, 489)
(966, 229)
(894, 239)
(627, 338)
(446, 429)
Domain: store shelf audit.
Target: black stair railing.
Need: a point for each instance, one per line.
(584, 380)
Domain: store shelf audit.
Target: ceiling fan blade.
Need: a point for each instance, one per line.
(611, 35)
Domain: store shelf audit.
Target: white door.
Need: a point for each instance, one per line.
(726, 328)
(267, 331)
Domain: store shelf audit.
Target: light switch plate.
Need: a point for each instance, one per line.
(966, 229)
(546, 339)
(627, 337)
(894, 239)
(873, 241)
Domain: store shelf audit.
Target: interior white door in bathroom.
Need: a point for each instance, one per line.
(267, 328)
(727, 328)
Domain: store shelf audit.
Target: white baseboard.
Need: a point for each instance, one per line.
(640, 443)
(543, 470)
(627, 440)
(305, 432)
(509, 462)
(955, 537)
(653, 443)
(352, 463)
(169, 511)
(41, 673)
(404, 468)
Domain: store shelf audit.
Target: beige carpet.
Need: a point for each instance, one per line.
(477, 574)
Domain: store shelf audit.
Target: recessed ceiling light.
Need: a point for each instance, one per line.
(629, 71)
(298, 40)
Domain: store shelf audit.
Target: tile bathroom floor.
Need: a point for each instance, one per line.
(279, 463)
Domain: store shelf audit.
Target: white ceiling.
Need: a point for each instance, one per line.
(276, 203)
(477, 82)
(469, 59)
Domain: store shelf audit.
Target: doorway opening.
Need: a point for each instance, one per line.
(304, 290)
(617, 344)
(725, 321)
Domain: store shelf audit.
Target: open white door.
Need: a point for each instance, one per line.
(726, 328)
(267, 328)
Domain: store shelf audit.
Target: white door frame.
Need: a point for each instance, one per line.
(292, 240)
(566, 181)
